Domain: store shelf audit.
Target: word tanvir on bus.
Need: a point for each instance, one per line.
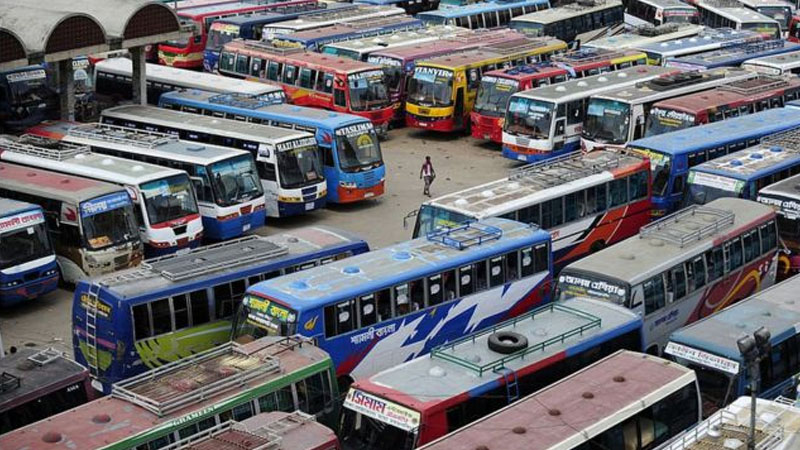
(165, 405)
(352, 161)
(92, 224)
(288, 162)
(379, 309)
(28, 266)
(683, 267)
(586, 202)
(465, 379)
(171, 308)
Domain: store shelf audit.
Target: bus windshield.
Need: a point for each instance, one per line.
(23, 245)
(780, 13)
(431, 87)
(258, 317)
(114, 225)
(235, 180)
(662, 121)
(357, 148)
(705, 187)
(28, 88)
(531, 29)
(220, 34)
(360, 432)
(660, 167)
(529, 117)
(572, 285)
(766, 28)
(431, 217)
(493, 95)
(714, 387)
(168, 199)
(299, 167)
(607, 120)
(367, 90)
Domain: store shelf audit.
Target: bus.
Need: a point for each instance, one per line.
(288, 162)
(659, 52)
(170, 308)
(442, 90)
(574, 23)
(411, 7)
(673, 154)
(536, 125)
(91, 224)
(624, 401)
(226, 183)
(384, 307)
(38, 384)
(495, 14)
(26, 98)
(737, 18)
(660, 12)
(360, 49)
(782, 64)
(327, 19)
(276, 430)
(164, 405)
(165, 205)
(567, 196)
(461, 381)
(733, 56)
(641, 36)
(113, 79)
(227, 29)
(187, 53)
(732, 100)
(352, 161)
(315, 39)
(775, 9)
(28, 266)
(709, 347)
(313, 79)
(784, 199)
(744, 173)
(617, 117)
(498, 86)
(682, 267)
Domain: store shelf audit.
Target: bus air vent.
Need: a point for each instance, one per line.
(688, 225)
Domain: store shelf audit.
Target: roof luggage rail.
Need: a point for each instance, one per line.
(121, 135)
(668, 228)
(239, 100)
(465, 236)
(42, 147)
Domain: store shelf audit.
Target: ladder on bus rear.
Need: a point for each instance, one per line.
(91, 328)
(510, 379)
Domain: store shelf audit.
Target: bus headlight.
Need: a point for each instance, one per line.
(10, 284)
(50, 272)
(347, 185)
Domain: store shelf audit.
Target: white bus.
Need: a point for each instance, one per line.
(112, 78)
(91, 223)
(738, 18)
(288, 161)
(327, 19)
(660, 52)
(360, 49)
(785, 63)
(165, 205)
(545, 122)
(641, 36)
(779, 10)
(683, 267)
(581, 21)
(617, 117)
(225, 180)
(660, 12)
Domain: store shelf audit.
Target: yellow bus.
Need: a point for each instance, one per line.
(442, 90)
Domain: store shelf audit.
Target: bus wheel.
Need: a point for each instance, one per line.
(653, 350)
(344, 382)
(597, 246)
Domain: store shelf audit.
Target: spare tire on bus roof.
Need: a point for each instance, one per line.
(507, 342)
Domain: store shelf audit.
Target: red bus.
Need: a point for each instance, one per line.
(313, 79)
(498, 86)
(733, 100)
(188, 53)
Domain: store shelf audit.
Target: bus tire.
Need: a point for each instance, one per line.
(507, 342)
(597, 246)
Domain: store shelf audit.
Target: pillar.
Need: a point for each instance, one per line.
(66, 89)
(138, 55)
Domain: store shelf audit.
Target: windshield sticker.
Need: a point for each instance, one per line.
(26, 76)
(671, 118)
(372, 76)
(103, 309)
(656, 159)
(702, 358)
(103, 204)
(296, 143)
(271, 309)
(274, 98)
(790, 208)
(594, 288)
(225, 28)
(384, 61)
(382, 410)
(355, 130)
(21, 220)
(716, 181)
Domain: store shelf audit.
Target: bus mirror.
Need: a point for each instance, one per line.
(699, 198)
(408, 216)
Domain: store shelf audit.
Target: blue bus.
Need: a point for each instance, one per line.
(483, 15)
(351, 154)
(175, 306)
(411, 7)
(709, 347)
(385, 307)
(733, 56)
(27, 259)
(744, 173)
(673, 154)
(658, 53)
(319, 37)
(227, 29)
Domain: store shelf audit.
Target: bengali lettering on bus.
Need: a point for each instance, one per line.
(702, 358)
(106, 203)
(382, 410)
(21, 220)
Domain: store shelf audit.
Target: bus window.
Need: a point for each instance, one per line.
(716, 263)
(480, 275)
(529, 214)
(141, 322)
(241, 64)
(637, 186)
(618, 192)
(654, 294)
(490, 18)
(289, 74)
(273, 71)
(678, 282)
(161, 317)
(339, 98)
(199, 303)
(181, 310)
(306, 78)
(256, 67)
(368, 313)
(496, 275)
(383, 299)
(541, 258)
(435, 292)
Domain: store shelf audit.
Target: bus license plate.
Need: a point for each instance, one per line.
(245, 227)
(309, 206)
(521, 157)
(369, 194)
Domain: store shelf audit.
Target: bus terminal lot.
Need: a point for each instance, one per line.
(459, 161)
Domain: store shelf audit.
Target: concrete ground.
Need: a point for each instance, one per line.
(459, 161)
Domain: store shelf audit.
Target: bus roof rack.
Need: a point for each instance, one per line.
(202, 261)
(42, 147)
(268, 46)
(575, 166)
(465, 236)
(788, 140)
(586, 55)
(239, 100)
(505, 48)
(652, 30)
(45, 356)
(755, 85)
(121, 135)
(9, 381)
(701, 221)
(447, 352)
(191, 380)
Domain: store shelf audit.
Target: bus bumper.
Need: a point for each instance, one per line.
(286, 209)
(443, 124)
(487, 128)
(220, 230)
(526, 154)
(151, 251)
(12, 295)
(355, 194)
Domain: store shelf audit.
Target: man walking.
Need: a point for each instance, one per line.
(428, 174)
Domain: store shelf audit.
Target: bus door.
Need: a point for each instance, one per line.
(559, 131)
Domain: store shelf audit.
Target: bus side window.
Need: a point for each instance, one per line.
(618, 192)
(736, 253)
(435, 292)
(716, 263)
(339, 318)
(496, 275)
(199, 303)
(141, 322)
(401, 300)
(466, 281)
(768, 234)
(699, 272)
(654, 294)
(511, 261)
(257, 67)
(273, 70)
(242, 63)
(383, 303)
(180, 307)
(162, 319)
(417, 294)
(226, 61)
(480, 276)
(367, 312)
(679, 282)
(575, 112)
(529, 215)
(339, 99)
(637, 186)
(307, 78)
(289, 74)
(541, 256)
